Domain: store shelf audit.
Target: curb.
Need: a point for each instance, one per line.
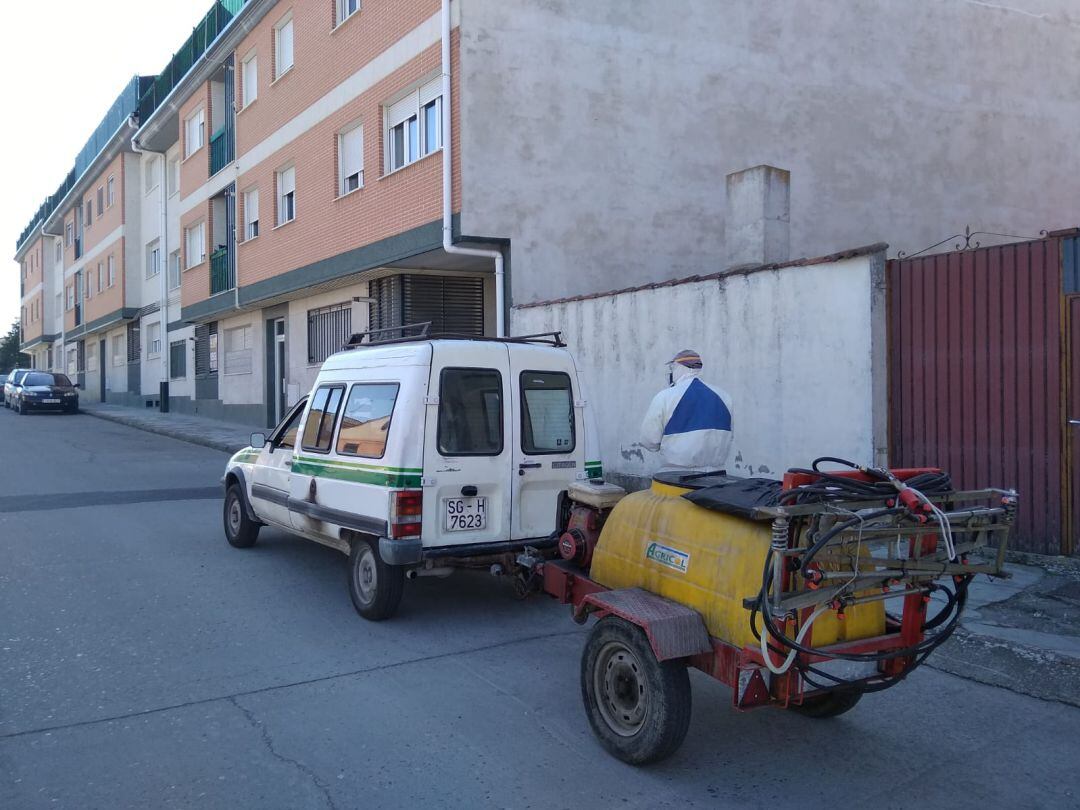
(172, 433)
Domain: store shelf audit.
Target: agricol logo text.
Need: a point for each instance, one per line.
(668, 556)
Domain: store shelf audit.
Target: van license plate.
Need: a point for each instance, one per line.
(465, 514)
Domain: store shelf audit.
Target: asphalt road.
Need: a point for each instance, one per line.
(145, 663)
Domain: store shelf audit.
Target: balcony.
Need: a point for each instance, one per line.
(221, 271)
(221, 150)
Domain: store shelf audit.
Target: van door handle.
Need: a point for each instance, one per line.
(530, 465)
(469, 491)
(288, 462)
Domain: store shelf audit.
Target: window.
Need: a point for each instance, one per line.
(328, 329)
(111, 261)
(251, 214)
(70, 297)
(59, 252)
(100, 277)
(73, 360)
(88, 293)
(173, 178)
(249, 81)
(286, 195)
(134, 342)
(283, 46)
(365, 424)
(89, 213)
(150, 173)
(547, 413)
(470, 412)
(118, 358)
(414, 125)
(174, 270)
(238, 350)
(91, 355)
(286, 432)
(194, 133)
(110, 191)
(177, 359)
(350, 160)
(153, 339)
(69, 234)
(319, 427)
(195, 245)
(100, 201)
(345, 9)
(153, 259)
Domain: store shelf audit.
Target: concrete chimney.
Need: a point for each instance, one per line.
(757, 226)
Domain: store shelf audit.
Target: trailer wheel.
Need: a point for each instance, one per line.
(374, 586)
(638, 707)
(831, 704)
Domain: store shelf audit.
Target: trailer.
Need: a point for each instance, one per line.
(803, 594)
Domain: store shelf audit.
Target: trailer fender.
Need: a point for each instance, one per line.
(673, 630)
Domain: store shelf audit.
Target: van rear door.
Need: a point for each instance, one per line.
(549, 437)
(468, 445)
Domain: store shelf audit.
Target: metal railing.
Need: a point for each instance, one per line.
(221, 276)
(221, 150)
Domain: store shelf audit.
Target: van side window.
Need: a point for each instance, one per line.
(547, 412)
(365, 424)
(470, 412)
(319, 428)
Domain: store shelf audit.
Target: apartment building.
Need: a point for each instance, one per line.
(280, 184)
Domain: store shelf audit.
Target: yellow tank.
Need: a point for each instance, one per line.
(706, 560)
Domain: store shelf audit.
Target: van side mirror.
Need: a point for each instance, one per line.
(258, 440)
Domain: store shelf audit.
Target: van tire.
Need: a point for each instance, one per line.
(638, 707)
(375, 587)
(240, 530)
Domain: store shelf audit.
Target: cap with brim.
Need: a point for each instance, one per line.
(688, 358)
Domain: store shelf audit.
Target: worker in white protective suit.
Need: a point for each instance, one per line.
(690, 422)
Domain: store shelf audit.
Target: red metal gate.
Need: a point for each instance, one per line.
(977, 377)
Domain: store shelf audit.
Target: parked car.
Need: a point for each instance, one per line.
(418, 457)
(11, 385)
(46, 391)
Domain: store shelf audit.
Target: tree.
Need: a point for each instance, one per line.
(10, 356)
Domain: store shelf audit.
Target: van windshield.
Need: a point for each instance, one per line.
(547, 413)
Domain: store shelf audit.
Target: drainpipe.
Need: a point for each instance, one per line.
(163, 270)
(447, 185)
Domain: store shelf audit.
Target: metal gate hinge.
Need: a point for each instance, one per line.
(431, 400)
(579, 403)
(428, 482)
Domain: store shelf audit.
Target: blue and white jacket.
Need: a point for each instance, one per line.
(690, 424)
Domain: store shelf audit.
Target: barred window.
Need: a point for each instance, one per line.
(177, 359)
(328, 329)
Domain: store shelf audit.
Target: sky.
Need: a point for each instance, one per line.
(63, 67)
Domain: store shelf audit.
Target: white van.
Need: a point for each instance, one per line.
(416, 456)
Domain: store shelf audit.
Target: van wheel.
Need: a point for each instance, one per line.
(832, 704)
(374, 586)
(240, 530)
(638, 707)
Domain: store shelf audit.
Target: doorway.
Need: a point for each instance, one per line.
(279, 370)
(101, 370)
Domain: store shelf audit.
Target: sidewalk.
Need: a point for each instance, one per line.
(223, 436)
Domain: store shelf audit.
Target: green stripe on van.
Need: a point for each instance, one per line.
(380, 477)
(354, 465)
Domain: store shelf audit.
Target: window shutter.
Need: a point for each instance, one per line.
(352, 152)
(287, 181)
(431, 91)
(401, 110)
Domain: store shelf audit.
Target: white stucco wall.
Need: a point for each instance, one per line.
(798, 349)
(596, 135)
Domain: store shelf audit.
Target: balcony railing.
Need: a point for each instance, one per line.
(221, 274)
(221, 150)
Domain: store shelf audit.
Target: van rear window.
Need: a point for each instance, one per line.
(366, 422)
(547, 413)
(470, 412)
(319, 427)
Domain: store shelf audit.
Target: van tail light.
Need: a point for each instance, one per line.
(406, 507)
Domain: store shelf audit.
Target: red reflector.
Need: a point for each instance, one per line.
(401, 530)
(408, 502)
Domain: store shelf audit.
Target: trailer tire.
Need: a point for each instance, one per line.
(832, 704)
(638, 707)
(375, 586)
(240, 530)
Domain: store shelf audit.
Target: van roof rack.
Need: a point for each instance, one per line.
(422, 331)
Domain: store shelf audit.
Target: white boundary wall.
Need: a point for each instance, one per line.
(800, 348)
